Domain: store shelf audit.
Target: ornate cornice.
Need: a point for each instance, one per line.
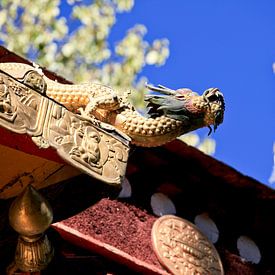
(24, 109)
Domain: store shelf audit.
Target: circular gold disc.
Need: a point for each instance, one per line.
(183, 249)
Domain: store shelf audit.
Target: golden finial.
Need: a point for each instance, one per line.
(30, 215)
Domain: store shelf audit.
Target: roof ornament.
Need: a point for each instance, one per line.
(30, 215)
(92, 126)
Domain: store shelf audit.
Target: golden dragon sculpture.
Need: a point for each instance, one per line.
(171, 113)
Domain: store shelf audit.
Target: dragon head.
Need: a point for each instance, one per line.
(215, 112)
(188, 106)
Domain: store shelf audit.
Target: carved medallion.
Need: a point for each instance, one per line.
(99, 152)
(183, 249)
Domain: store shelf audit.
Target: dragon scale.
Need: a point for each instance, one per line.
(103, 103)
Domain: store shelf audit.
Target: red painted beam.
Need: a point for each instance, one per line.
(24, 143)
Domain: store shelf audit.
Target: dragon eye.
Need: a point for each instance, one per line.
(180, 96)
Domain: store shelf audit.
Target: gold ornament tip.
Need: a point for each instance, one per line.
(30, 213)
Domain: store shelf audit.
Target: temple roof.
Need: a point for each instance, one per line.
(198, 186)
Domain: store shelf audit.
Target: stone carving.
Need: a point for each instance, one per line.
(99, 152)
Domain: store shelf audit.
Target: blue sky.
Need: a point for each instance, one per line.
(225, 44)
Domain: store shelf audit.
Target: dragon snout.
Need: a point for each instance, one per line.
(214, 96)
(215, 100)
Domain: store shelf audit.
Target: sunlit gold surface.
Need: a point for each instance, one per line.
(183, 249)
(33, 256)
(162, 124)
(30, 215)
(101, 152)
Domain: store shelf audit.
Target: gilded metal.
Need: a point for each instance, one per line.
(96, 149)
(183, 249)
(30, 215)
(171, 114)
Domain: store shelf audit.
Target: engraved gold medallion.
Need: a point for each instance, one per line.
(183, 249)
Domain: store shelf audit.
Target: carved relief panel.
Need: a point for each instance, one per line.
(23, 109)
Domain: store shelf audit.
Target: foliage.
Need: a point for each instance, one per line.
(76, 46)
(206, 145)
(71, 38)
